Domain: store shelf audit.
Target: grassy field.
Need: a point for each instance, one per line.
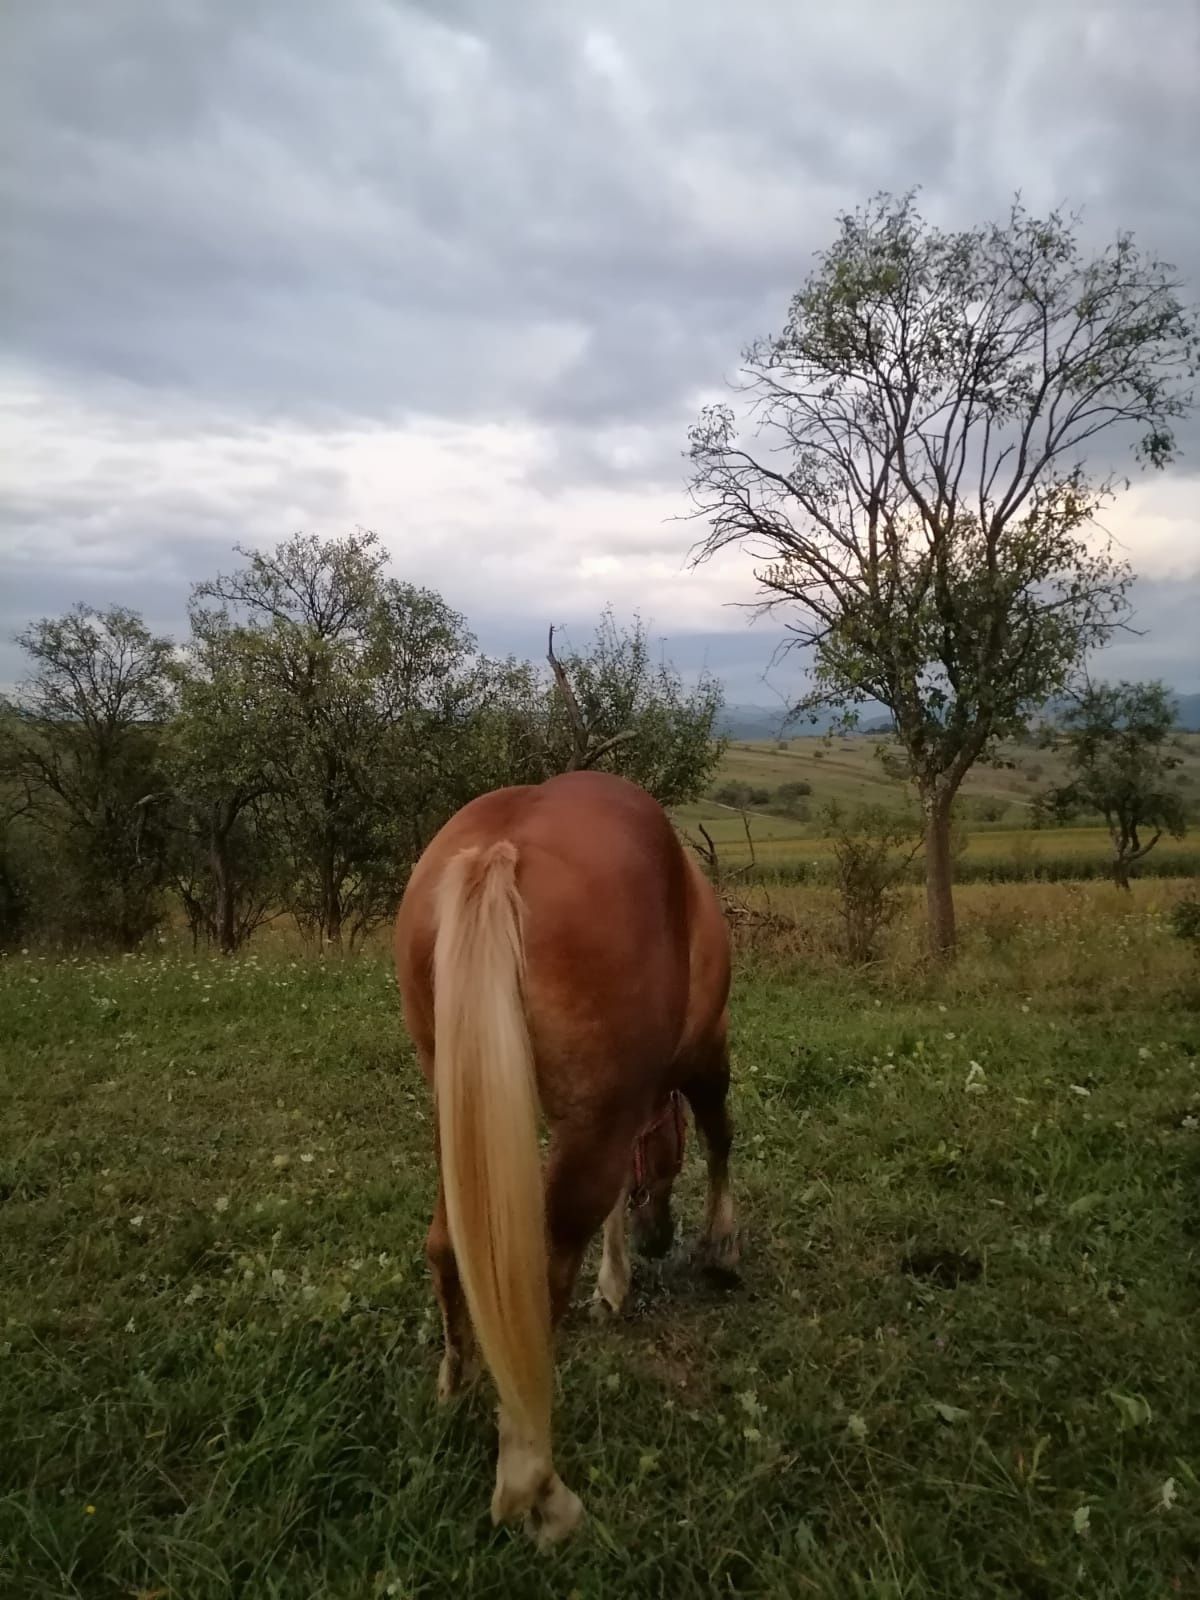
(850, 772)
(782, 848)
(961, 1360)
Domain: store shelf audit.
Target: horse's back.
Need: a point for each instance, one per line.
(616, 929)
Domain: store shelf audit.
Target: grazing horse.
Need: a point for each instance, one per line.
(556, 950)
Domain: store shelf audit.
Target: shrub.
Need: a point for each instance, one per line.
(789, 799)
(872, 849)
(1185, 921)
(741, 795)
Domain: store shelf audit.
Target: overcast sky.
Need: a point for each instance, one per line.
(462, 271)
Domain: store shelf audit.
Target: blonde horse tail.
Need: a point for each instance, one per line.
(487, 1107)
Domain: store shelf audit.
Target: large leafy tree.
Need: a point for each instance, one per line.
(81, 744)
(226, 863)
(347, 692)
(913, 473)
(14, 808)
(1121, 750)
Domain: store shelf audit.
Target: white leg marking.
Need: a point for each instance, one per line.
(612, 1282)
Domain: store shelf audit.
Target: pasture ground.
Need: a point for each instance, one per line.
(961, 1360)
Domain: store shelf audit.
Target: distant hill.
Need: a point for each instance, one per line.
(768, 722)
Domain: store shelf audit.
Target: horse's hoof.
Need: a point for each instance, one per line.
(603, 1310)
(556, 1516)
(723, 1251)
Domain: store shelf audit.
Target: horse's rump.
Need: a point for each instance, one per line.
(609, 919)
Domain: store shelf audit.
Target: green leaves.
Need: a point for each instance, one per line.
(82, 746)
(636, 710)
(1132, 1410)
(948, 1413)
(329, 702)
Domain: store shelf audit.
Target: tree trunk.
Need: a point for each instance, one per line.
(331, 904)
(1121, 873)
(939, 874)
(225, 896)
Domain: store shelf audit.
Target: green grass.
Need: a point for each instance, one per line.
(961, 1361)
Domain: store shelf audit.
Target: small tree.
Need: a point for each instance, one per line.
(82, 743)
(1120, 752)
(918, 491)
(792, 797)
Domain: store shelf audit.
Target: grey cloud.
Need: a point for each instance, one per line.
(1164, 643)
(480, 209)
(221, 216)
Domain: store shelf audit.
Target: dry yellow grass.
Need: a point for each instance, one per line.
(1079, 942)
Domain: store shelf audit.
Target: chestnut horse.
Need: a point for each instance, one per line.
(556, 949)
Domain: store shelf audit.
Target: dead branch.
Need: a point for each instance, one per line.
(586, 753)
(736, 907)
(580, 737)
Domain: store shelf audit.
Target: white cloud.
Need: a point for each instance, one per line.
(459, 505)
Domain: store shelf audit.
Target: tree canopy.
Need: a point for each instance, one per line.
(297, 753)
(80, 746)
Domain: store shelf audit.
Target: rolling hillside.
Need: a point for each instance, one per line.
(997, 800)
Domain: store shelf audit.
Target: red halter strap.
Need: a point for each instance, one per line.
(671, 1109)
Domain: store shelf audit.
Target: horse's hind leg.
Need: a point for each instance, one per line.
(458, 1359)
(585, 1177)
(707, 1092)
(585, 1183)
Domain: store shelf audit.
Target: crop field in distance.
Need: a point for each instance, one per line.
(997, 803)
